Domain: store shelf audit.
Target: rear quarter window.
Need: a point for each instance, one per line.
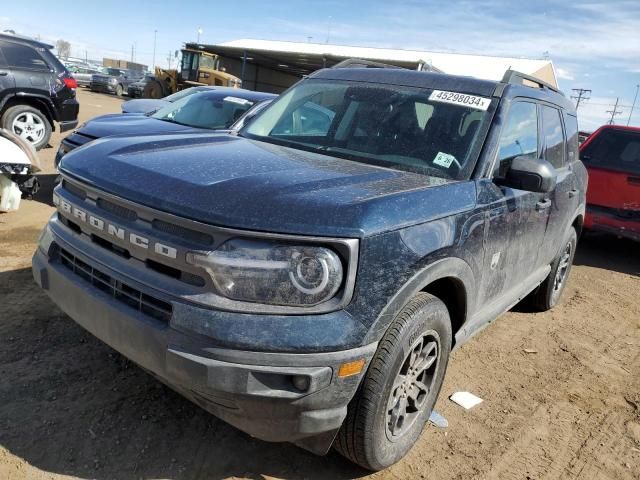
(613, 149)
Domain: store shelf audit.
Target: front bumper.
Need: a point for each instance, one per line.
(68, 125)
(607, 221)
(102, 87)
(135, 92)
(252, 390)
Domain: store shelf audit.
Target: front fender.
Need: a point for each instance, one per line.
(451, 267)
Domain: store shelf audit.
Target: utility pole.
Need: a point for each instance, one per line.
(131, 53)
(199, 33)
(581, 94)
(328, 29)
(614, 112)
(634, 105)
(155, 35)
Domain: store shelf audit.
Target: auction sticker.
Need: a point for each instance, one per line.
(462, 99)
(444, 159)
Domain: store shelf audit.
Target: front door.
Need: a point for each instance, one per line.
(515, 220)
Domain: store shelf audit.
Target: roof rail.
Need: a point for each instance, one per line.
(519, 78)
(360, 63)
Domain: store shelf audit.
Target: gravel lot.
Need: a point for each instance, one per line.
(71, 407)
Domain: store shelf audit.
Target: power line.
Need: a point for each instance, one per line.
(614, 112)
(582, 94)
(634, 105)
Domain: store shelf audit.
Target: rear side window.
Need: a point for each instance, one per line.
(23, 57)
(519, 136)
(553, 137)
(571, 128)
(614, 150)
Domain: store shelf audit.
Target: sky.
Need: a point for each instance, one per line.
(593, 44)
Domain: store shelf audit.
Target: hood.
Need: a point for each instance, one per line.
(102, 77)
(130, 125)
(235, 182)
(143, 105)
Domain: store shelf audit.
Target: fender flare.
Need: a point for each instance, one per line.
(451, 267)
(46, 101)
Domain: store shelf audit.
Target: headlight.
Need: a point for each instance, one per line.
(113, 80)
(271, 272)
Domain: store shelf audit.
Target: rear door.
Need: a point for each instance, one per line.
(7, 83)
(564, 200)
(31, 72)
(612, 157)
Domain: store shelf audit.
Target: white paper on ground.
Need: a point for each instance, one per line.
(465, 399)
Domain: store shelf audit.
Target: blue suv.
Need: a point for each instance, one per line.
(306, 279)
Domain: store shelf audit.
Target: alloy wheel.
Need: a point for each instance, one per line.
(29, 126)
(563, 268)
(412, 386)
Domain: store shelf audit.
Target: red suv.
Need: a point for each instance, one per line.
(612, 158)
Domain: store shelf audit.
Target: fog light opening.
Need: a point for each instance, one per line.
(301, 382)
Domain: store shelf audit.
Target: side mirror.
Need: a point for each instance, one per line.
(531, 174)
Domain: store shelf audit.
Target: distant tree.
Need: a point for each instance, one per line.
(64, 49)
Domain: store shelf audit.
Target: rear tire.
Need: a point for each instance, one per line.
(153, 89)
(548, 294)
(29, 123)
(397, 395)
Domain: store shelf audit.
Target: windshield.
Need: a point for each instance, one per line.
(113, 72)
(204, 111)
(404, 128)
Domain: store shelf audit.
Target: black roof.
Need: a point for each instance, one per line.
(443, 81)
(410, 78)
(24, 40)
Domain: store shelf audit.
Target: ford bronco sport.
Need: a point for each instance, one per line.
(307, 279)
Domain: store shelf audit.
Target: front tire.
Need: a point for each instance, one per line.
(28, 123)
(548, 294)
(118, 90)
(397, 395)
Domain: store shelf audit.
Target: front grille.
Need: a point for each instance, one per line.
(182, 232)
(78, 192)
(120, 291)
(117, 210)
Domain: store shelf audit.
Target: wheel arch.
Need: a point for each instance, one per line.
(450, 279)
(39, 103)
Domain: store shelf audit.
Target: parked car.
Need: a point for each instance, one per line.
(83, 74)
(198, 113)
(149, 105)
(113, 80)
(136, 89)
(307, 279)
(36, 90)
(612, 157)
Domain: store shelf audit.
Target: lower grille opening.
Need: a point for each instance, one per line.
(175, 273)
(126, 294)
(106, 244)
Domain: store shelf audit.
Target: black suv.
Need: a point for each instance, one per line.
(307, 279)
(36, 90)
(114, 80)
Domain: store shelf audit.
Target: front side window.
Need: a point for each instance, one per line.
(519, 136)
(553, 136)
(204, 111)
(614, 149)
(23, 57)
(402, 128)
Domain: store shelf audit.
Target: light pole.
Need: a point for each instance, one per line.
(155, 35)
(199, 33)
(634, 105)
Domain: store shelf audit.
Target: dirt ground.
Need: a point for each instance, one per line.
(70, 407)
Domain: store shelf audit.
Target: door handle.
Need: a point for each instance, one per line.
(543, 204)
(573, 192)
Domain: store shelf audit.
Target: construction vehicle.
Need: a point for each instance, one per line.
(198, 67)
